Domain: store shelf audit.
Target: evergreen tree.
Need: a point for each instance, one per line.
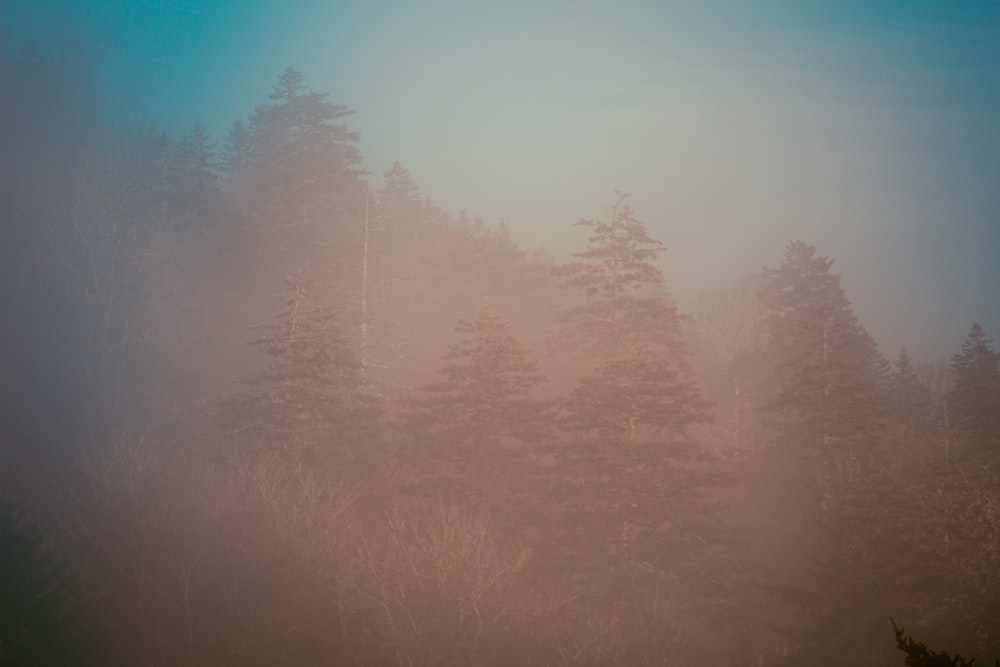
(400, 206)
(974, 400)
(302, 162)
(919, 655)
(830, 398)
(484, 394)
(632, 331)
(829, 367)
(910, 409)
(39, 624)
(156, 173)
(236, 151)
(194, 159)
(310, 401)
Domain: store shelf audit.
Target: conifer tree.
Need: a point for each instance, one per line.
(39, 620)
(632, 332)
(484, 395)
(302, 160)
(829, 367)
(400, 206)
(309, 402)
(194, 158)
(830, 400)
(974, 401)
(236, 151)
(910, 409)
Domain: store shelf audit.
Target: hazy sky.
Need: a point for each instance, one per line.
(871, 129)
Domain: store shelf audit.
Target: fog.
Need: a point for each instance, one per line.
(430, 333)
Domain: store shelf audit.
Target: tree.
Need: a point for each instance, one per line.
(910, 409)
(974, 400)
(633, 330)
(39, 618)
(830, 401)
(484, 395)
(919, 655)
(829, 367)
(309, 402)
(400, 206)
(178, 181)
(194, 158)
(301, 163)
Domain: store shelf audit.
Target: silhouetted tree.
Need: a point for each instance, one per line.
(484, 395)
(632, 331)
(910, 410)
(974, 401)
(829, 367)
(301, 163)
(309, 402)
(400, 207)
(40, 621)
(237, 151)
(830, 402)
(918, 655)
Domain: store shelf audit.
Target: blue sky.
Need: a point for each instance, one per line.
(871, 129)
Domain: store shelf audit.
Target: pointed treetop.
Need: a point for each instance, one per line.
(619, 255)
(290, 85)
(399, 186)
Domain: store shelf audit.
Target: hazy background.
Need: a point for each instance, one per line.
(870, 129)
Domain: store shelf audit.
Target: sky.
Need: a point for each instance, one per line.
(870, 129)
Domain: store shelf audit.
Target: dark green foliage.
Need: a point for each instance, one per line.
(918, 655)
(39, 623)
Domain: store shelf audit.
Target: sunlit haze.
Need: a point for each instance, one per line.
(499, 333)
(871, 131)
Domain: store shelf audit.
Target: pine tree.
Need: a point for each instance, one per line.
(829, 367)
(484, 394)
(309, 402)
(302, 162)
(400, 206)
(830, 398)
(194, 159)
(236, 151)
(974, 400)
(632, 331)
(39, 617)
(910, 409)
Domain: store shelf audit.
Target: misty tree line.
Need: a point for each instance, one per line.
(271, 414)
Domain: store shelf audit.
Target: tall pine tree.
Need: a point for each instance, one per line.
(295, 161)
(910, 414)
(639, 382)
(308, 403)
(484, 395)
(974, 400)
(829, 367)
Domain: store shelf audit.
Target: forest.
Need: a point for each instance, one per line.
(259, 406)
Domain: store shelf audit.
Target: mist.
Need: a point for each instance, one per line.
(452, 335)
